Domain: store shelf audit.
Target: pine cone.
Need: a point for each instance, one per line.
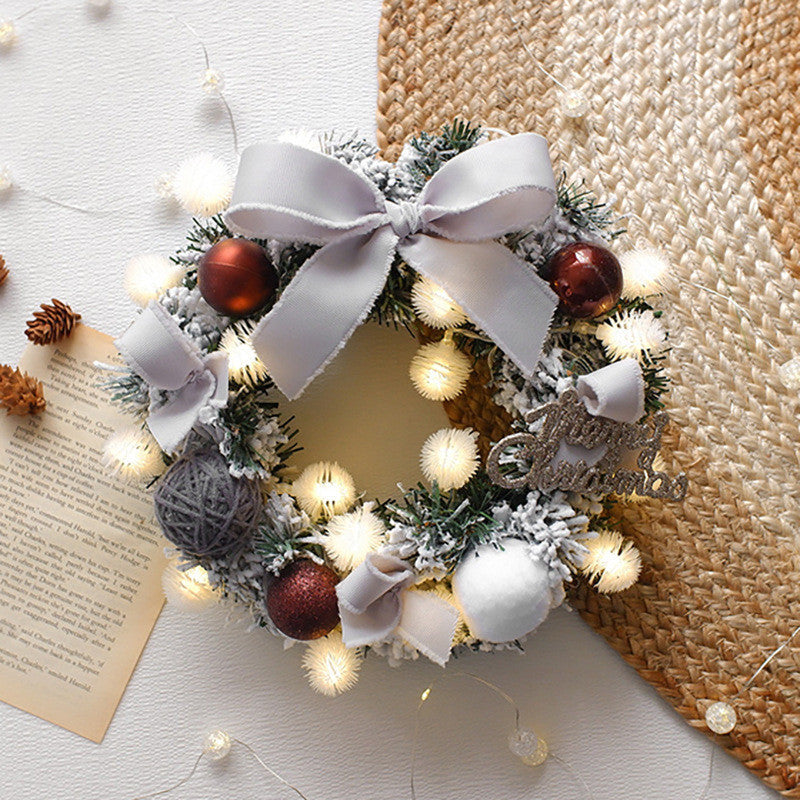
(51, 324)
(3, 271)
(20, 393)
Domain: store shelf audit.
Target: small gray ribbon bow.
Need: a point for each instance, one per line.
(616, 392)
(375, 601)
(161, 353)
(290, 193)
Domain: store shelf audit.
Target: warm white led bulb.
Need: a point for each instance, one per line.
(439, 371)
(789, 373)
(324, 489)
(149, 275)
(331, 667)
(217, 745)
(99, 7)
(721, 717)
(434, 306)
(133, 453)
(244, 365)
(573, 103)
(8, 32)
(528, 747)
(6, 180)
(162, 186)
(612, 562)
(350, 538)
(450, 457)
(213, 82)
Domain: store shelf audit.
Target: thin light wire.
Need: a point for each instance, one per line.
(533, 58)
(744, 688)
(25, 13)
(767, 661)
(508, 699)
(175, 786)
(572, 773)
(185, 780)
(61, 204)
(699, 287)
(704, 795)
(221, 95)
(271, 771)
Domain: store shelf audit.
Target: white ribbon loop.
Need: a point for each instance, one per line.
(288, 192)
(616, 392)
(161, 353)
(374, 602)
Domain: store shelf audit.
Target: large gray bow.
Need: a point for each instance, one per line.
(158, 350)
(290, 193)
(375, 602)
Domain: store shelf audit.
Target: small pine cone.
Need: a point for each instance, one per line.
(51, 324)
(20, 393)
(3, 271)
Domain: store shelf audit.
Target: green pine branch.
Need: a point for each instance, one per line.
(584, 210)
(434, 150)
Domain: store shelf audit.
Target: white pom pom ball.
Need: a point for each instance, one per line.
(133, 454)
(203, 185)
(324, 489)
(645, 272)
(503, 594)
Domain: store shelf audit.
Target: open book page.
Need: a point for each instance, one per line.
(80, 552)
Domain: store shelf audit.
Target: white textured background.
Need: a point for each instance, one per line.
(91, 110)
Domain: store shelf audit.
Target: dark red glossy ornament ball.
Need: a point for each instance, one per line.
(587, 279)
(236, 278)
(302, 602)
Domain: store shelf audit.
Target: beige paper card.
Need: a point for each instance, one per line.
(80, 553)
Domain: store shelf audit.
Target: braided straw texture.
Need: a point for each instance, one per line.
(665, 142)
(768, 69)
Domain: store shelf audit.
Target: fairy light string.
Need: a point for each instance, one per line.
(774, 654)
(218, 743)
(538, 753)
(212, 83)
(212, 80)
(216, 747)
(573, 103)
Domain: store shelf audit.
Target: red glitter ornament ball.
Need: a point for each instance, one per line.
(302, 602)
(236, 278)
(587, 279)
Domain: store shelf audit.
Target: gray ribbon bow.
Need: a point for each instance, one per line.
(616, 392)
(161, 353)
(290, 193)
(375, 602)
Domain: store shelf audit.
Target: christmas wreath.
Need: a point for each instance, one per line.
(469, 243)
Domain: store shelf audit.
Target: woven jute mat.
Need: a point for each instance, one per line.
(693, 135)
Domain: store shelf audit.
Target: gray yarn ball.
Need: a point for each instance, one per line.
(202, 508)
